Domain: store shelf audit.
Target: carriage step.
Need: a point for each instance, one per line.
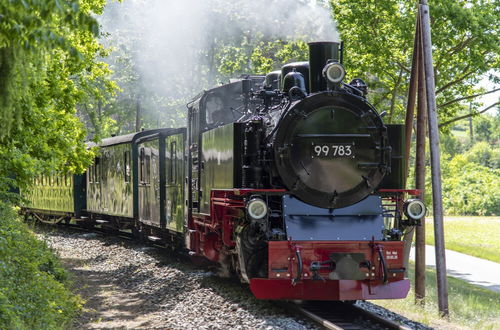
(154, 238)
(101, 221)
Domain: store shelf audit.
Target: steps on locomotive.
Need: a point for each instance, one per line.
(154, 238)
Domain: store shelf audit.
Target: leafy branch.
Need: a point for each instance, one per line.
(466, 98)
(468, 115)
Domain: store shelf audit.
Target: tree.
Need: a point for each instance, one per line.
(379, 36)
(487, 128)
(48, 64)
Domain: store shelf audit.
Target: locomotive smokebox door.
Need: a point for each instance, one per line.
(331, 149)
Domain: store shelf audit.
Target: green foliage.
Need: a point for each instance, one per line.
(379, 36)
(487, 128)
(450, 145)
(483, 154)
(48, 64)
(470, 188)
(265, 56)
(33, 294)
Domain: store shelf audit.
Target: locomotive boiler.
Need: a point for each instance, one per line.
(290, 181)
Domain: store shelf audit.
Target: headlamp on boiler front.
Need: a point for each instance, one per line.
(334, 72)
(256, 208)
(414, 209)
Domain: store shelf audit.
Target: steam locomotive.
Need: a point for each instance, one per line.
(290, 181)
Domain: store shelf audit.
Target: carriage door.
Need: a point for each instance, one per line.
(174, 167)
(149, 183)
(144, 184)
(155, 184)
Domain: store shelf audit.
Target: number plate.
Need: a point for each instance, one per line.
(329, 150)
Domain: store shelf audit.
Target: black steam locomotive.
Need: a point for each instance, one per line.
(290, 181)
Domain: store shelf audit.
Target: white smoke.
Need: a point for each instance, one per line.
(169, 41)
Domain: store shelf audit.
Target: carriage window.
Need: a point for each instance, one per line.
(173, 162)
(145, 166)
(91, 174)
(97, 170)
(126, 166)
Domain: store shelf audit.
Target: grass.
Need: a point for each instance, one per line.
(475, 236)
(471, 307)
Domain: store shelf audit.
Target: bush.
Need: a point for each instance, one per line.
(450, 145)
(33, 293)
(482, 153)
(470, 188)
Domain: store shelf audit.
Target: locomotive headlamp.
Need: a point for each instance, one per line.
(414, 209)
(334, 72)
(257, 208)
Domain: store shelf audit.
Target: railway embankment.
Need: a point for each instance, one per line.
(126, 284)
(34, 290)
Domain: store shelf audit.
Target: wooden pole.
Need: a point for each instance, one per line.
(420, 180)
(412, 95)
(138, 115)
(442, 282)
(410, 110)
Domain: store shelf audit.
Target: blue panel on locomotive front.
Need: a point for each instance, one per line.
(362, 221)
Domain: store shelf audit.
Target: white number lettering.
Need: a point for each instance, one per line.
(317, 150)
(333, 150)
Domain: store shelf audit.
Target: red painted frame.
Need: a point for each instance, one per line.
(284, 285)
(212, 235)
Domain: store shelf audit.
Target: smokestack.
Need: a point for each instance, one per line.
(319, 54)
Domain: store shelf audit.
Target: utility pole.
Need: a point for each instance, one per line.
(410, 113)
(421, 133)
(442, 282)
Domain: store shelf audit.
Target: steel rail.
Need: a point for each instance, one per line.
(340, 316)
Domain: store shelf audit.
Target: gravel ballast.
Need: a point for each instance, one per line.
(126, 285)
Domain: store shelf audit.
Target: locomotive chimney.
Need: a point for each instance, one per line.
(319, 54)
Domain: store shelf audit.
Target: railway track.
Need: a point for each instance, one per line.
(338, 316)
